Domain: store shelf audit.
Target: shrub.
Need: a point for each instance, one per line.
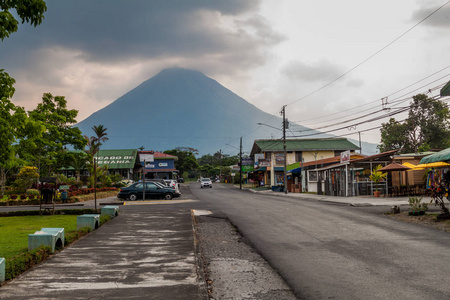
(71, 237)
(23, 196)
(24, 261)
(33, 192)
(104, 219)
(415, 204)
(13, 196)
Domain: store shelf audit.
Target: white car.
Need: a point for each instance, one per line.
(172, 183)
(206, 182)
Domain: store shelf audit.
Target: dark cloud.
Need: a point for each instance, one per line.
(440, 19)
(319, 71)
(115, 30)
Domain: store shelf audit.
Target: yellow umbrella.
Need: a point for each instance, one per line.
(409, 165)
(438, 164)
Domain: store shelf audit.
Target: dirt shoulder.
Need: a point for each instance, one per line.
(232, 269)
(428, 220)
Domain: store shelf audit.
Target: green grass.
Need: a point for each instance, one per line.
(14, 231)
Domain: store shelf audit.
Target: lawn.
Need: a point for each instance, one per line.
(14, 231)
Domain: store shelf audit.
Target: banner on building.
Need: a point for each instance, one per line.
(146, 157)
(345, 157)
(264, 162)
(279, 158)
(258, 157)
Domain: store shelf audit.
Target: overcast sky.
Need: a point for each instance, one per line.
(271, 53)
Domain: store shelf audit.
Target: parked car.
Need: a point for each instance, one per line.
(152, 190)
(157, 180)
(205, 182)
(171, 182)
(180, 179)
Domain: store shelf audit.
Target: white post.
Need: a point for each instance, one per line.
(272, 169)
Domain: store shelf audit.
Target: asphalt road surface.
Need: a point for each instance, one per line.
(326, 251)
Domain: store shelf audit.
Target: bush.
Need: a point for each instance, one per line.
(24, 261)
(71, 237)
(104, 219)
(33, 192)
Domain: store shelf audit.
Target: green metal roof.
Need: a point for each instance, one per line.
(304, 145)
(117, 159)
(445, 91)
(443, 155)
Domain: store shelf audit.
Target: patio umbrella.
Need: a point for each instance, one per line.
(395, 167)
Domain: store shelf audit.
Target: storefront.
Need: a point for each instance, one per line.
(158, 165)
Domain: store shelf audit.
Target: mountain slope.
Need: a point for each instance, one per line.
(181, 108)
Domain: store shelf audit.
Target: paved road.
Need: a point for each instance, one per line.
(329, 251)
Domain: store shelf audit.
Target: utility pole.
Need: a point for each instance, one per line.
(360, 148)
(240, 165)
(220, 166)
(143, 182)
(285, 126)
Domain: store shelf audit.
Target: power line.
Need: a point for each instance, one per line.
(377, 100)
(371, 56)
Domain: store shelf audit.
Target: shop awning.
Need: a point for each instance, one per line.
(445, 91)
(443, 155)
(294, 171)
(263, 169)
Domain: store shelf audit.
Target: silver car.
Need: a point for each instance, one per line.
(206, 182)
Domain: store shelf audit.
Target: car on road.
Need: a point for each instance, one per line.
(206, 182)
(180, 179)
(152, 190)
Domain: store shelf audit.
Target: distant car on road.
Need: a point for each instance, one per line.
(205, 182)
(180, 179)
(152, 190)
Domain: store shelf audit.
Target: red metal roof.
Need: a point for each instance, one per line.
(159, 155)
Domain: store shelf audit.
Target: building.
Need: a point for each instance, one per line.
(268, 156)
(158, 165)
(118, 161)
(129, 163)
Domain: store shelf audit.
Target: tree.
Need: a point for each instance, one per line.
(26, 177)
(186, 160)
(78, 161)
(48, 151)
(427, 126)
(393, 136)
(95, 142)
(29, 11)
(14, 125)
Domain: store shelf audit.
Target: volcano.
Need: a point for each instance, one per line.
(182, 108)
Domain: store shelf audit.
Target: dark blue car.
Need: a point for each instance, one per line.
(152, 190)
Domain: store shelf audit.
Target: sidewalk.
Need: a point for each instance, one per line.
(141, 254)
(353, 201)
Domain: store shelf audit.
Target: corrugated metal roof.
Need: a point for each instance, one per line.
(305, 145)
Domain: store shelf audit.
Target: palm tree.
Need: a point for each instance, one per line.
(94, 143)
(78, 162)
(100, 135)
